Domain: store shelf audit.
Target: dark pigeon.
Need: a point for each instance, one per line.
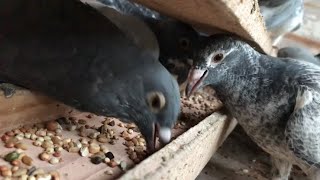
(281, 16)
(176, 39)
(275, 100)
(70, 52)
(298, 53)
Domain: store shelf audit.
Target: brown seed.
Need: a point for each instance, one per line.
(5, 138)
(9, 133)
(56, 140)
(6, 173)
(41, 133)
(74, 149)
(103, 139)
(21, 146)
(20, 172)
(133, 156)
(27, 160)
(57, 154)
(112, 163)
(9, 145)
(52, 125)
(120, 124)
(44, 156)
(82, 121)
(55, 175)
(94, 148)
(135, 141)
(89, 116)
(15, 162)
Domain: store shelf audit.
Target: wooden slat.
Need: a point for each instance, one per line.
(185, 156)
(241, 17)
(26, 107)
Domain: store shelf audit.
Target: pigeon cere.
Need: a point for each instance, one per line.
(160, 90)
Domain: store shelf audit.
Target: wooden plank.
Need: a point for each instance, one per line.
(26, 107)
(185, 156)
(241, 17)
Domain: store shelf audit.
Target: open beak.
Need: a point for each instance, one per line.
(195, 78)
(164, 137)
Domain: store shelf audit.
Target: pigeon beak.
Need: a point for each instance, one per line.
(151, 141)
(164, 134)
(195, 78)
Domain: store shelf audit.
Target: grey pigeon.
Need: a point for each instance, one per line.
(275, 100)
(176, 39)
(298, 53)
(70, 52)
(281, 16)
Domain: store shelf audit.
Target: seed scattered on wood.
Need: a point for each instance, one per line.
(27, 160)
(15, 162)
(109, 172)
(11, 156)
(130, 131)
(52, 125)
(82, 121)
(84, 151)
(44, 156)
(9, 145)
(96, 160)
(123, 165)
(6, 173)
(54, 160)
(107, 160)
(94, 148)
(20, 172)
(44, 177)
(112, 163)
(109, 155)
(21, 146)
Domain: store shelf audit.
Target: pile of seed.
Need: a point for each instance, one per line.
(92, 143)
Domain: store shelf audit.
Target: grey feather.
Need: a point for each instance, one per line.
(298, 53)
(275, 100)
(69, 51)
(282, 16)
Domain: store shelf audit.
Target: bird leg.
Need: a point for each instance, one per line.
(280, 169)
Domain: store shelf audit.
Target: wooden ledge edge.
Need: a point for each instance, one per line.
(185, 156)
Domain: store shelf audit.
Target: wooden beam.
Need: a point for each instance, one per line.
(241, 17)
(26, 107)
(185, 157)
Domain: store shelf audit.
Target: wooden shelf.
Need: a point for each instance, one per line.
(241, 17)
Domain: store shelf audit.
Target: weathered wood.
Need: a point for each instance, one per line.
(26, 107)
(185, 156)
(241, 17)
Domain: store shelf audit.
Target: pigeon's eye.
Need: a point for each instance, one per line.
(156, 101)
(217, 58)
(184, 43)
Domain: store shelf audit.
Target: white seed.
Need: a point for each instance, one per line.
(41, 139)
(31, 178)
(84, 151)
(44, 177)
(33, 136)
(78, 144)
(48, 138)
(130, 131)
(37, 143)
(54, 160)
(27, 135)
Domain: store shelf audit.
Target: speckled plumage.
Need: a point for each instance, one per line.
(69, 51)
(281, 16)
(275, 100)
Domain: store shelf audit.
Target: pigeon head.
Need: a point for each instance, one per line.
(216, 54)
(162, 105)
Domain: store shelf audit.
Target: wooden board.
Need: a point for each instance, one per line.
(241, 17)
(185, 157)
(26, 107)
